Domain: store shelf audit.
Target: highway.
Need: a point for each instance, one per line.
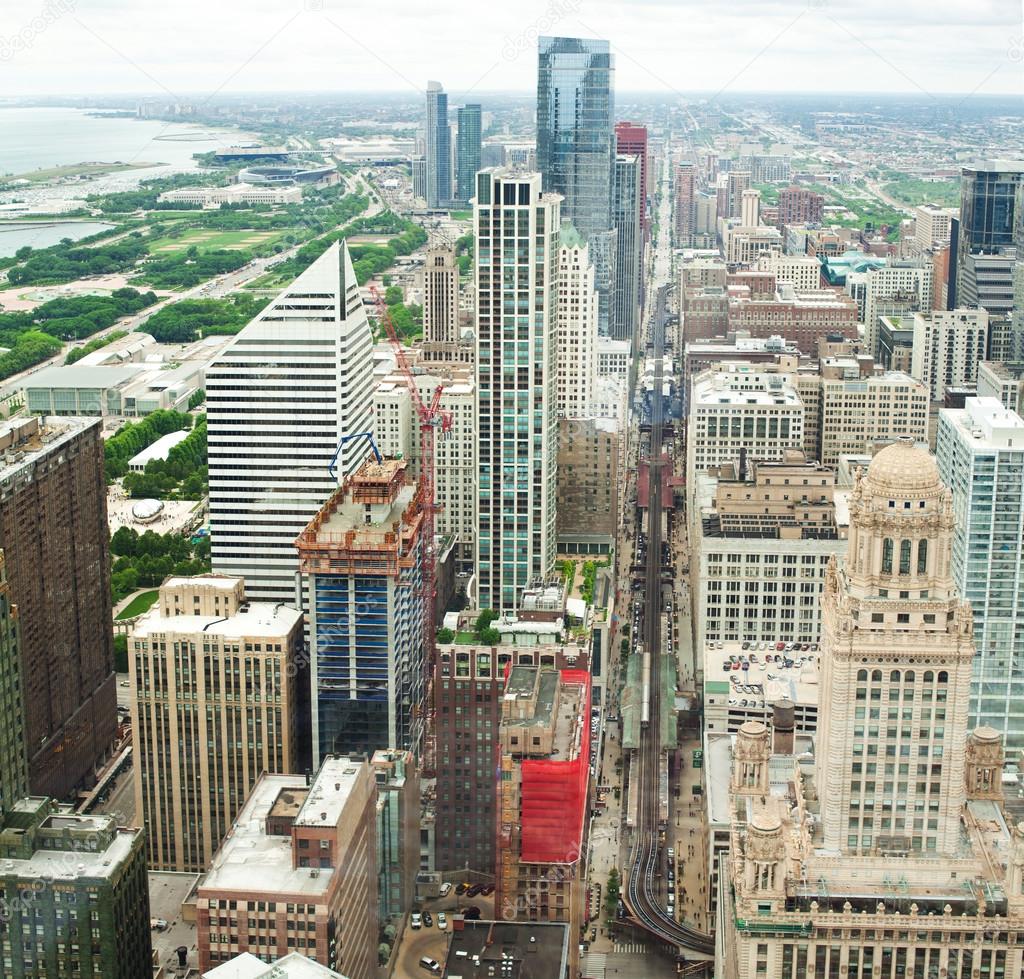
(643, 898)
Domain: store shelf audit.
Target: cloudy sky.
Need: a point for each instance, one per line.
(185, 47)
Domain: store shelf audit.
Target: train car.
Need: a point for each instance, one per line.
(645, 703)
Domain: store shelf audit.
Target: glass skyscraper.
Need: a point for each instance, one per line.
(627, 215)
(467, 152)
(576, 146)
(439, 148)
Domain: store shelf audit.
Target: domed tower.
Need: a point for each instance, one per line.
(751, 754)
(764, 855)
(984, 761)
(897, 645)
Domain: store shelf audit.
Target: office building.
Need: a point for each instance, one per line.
(932, 226)
(297, 873)
(13, 762)
(894, 812)
(575, 136)
(744, 245)
(576, 310)
(802, 272)
(988, 194)
(56, 543)
(77, 897)
(362, 561)
(980, 454)
(467, 152)
(613, 357)
(800, 206)
(398, 832)
(418, 167)
(275, 429)
(544, 739)
(627, 220)
(590, 466)
(469, 685)
(516, 364)
(857, 412)
(762, 545)
(576, 147)
(802, 317)
(438, 156)
(987, 281)
(204, 665)
(895, 289)
(455, 451)
(895, 343)
(736, 409)
(948, 346)
(684, 204)
(736, 182)
(631, 139)
(441, 330)
(1002, 381)
(750, 208)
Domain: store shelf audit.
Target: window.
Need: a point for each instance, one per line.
(922, 557)
(887, 556)
(904, 556)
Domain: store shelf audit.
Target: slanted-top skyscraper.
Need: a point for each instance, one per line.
(576, 144)
(517, 230)
(439, 147)
(280, 398)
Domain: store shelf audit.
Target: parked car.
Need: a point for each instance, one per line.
(158, 924)
(474, 890)
(487, 889)
(428, 920)
(446, 888)
(416, 921)
(430, 965)
(442, 921)
(462, 888)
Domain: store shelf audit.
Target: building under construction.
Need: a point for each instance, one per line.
(544, 776)
(362, 561)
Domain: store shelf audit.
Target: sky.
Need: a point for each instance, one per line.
(185, 48)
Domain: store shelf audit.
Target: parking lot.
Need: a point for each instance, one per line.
(432, 942)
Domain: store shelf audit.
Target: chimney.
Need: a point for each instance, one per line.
(783, 723)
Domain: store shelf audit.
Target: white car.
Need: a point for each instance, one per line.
(416, 921)
(442, 921)
(446, 888)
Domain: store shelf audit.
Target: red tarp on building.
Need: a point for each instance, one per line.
(554, 794)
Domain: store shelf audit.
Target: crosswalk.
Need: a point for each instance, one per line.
(630, 948)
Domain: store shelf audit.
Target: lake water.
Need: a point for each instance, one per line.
(37, 138)
(15, 235)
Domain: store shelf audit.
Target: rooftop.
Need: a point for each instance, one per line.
(763, 683)
(330, 791)
(986, 424)
(507, 950)
(160, 449)
(23, 441)
(292, 966)
(259, 619)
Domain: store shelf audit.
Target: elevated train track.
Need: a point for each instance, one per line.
(642, 897)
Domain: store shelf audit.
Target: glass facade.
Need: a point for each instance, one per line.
(467, 152)
(987, 206)
(439, 148)
(627, 218)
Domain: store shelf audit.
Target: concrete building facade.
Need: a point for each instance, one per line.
(948, 347)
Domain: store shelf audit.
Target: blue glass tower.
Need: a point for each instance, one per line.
(576, 144)
(467, 152)
(439, 148)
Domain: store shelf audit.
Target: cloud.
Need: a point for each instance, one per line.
(106, 46)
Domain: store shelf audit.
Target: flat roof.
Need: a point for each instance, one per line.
(771, 681)
(85, 376)
(292, 966)
(65, 865)
(260, 619)
(49, 435)
(330, 791)
(508, 950)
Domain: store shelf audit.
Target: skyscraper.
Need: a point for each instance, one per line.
(576, 326)
(439, 148)
(13, 763)
(631, 140)
(517, 228)
(56, 542)
(440, 302)
(467, 152)
(627, 211)
(362, 559)
(188, 654)
(576, 145)
(280, 397)
(684, 198)
(980, 453)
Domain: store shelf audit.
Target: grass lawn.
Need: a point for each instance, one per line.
(204, 239)
(461, 215)
(139, 604)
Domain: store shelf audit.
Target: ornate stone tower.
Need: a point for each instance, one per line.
(984, 762)
(752, 751)
(895, 668)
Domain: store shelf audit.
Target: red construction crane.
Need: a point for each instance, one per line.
(433, 419)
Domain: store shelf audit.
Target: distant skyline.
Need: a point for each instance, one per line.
(187, 49)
